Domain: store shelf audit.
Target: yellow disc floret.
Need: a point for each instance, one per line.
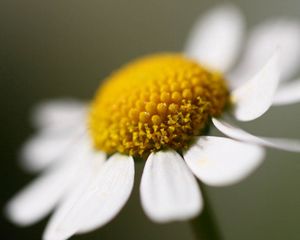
(160, 101)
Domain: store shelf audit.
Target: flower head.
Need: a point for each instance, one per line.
(154, 103)
(159, 108)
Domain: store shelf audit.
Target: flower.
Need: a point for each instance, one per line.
(152, 109)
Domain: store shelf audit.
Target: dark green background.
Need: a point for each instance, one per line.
(53, 49)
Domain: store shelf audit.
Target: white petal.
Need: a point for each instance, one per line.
(216, 38)
(168, 189)
(282, 33)
(84, 178)
(45, 148)
(52, 229)
(288, 93)
(99, 202)
(59, 115)
(239, 134)
(221, 161)
(41, 196)
(254, 98)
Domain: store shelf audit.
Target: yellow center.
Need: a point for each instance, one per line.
(156, 102)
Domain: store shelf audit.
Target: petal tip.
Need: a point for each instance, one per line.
(14, 214)
(255, 97)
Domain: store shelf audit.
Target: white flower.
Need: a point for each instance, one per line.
(87, 190)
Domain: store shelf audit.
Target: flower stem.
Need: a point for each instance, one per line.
(204, 225)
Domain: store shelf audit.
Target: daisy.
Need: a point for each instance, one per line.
(158, 109)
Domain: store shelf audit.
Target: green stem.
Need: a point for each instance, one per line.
(204, 225)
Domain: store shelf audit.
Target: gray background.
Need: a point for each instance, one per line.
(53, 49)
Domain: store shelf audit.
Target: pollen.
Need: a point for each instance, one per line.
(156, 102)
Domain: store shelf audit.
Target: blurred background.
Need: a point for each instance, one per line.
(52, 49)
